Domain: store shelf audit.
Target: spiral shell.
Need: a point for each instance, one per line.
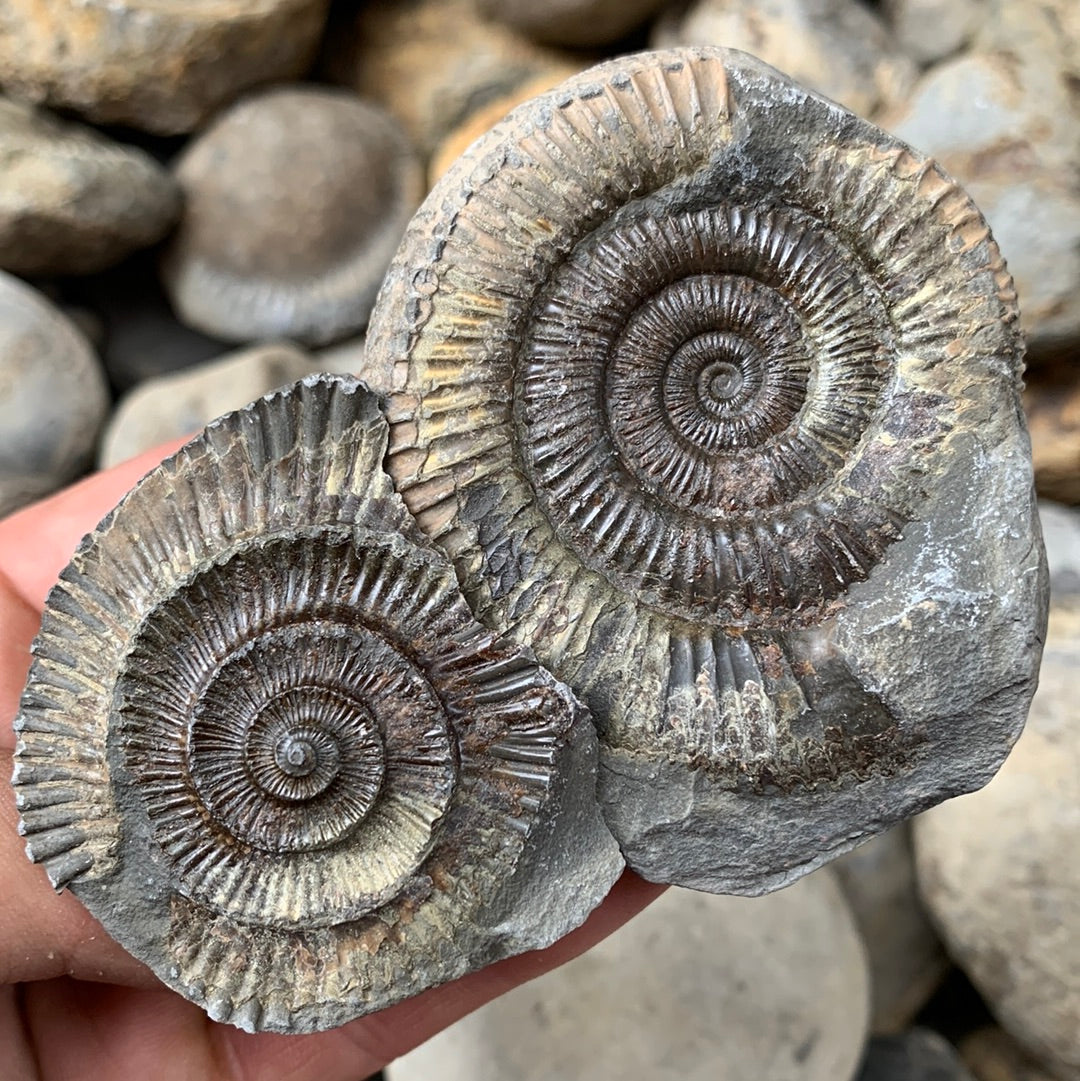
(265, 741)
(683, 351)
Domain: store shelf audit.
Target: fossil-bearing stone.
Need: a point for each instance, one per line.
(159, 65)
(264, 741)
(695, 988)
(72, 201)
(711, 392)
(295, 200)
(53, 396)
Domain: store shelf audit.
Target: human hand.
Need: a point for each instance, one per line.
(73, 1004)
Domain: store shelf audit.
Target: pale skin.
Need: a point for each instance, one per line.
(73, 1004)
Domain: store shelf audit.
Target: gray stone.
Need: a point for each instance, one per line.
(693, 989)
(53, 396)
(160, 66)
(907, 961)
(295, 199)
(72, 201)
(1005, 125)
(999, 869)
(918, 1055)
(930, 30)
(837, 47)
(779, 667)
(180, 404)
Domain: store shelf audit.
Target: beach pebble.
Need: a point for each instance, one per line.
(296, 199)
(840, 48)
(930, 30)
(71, 200)
(1000, 868)
(159, 65)
(53, 396)
(698, 986)
(432, 63)
(182, 403)
(1005, 125)
(907, 961)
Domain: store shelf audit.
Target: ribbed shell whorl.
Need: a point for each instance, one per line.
(265, 741)
(677, 346)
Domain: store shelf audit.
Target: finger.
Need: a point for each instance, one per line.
(45, 934)
(37, 542)
(18, 625)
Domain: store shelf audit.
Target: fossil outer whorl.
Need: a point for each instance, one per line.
(709, 389)
(266, 743)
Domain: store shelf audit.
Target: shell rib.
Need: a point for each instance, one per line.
(266, 743)
(692, 366)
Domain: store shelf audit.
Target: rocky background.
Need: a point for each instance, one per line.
(197, 203)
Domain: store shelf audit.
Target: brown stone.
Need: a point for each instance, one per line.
(575, 23)
(159, 65)
(434, 62)
(993, 1055)
(1052, 404)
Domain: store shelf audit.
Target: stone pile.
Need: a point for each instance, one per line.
(223, 229)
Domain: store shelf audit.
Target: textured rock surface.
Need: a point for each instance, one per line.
(1052, 406)
(283, 764)
(692, 989)
(433, 62)
(53, 397)
(181, 404)
(575, 23)
(907, 961)
(999, 868)
(1004, 124)
(930, 30)
(72, 201)
(160, 65)
(726, 427)
(918, 1055)
(993, 1055)
(837, 47)
(295, 201)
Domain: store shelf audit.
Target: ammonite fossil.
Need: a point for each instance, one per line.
(266, 743)
(710, 391)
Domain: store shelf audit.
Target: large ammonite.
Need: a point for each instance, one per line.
(266, 743)
(710, 391)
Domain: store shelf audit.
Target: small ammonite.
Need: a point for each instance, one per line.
(265, 742)
(709, 389)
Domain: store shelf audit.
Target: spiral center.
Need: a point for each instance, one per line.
(297, 757)
(722, 381)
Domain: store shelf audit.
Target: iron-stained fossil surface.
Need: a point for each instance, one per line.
(268, 746)
(709, 389)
